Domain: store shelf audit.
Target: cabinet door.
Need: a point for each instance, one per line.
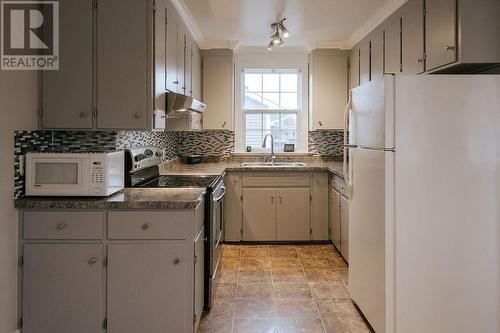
(62, 288)
(259, 214)
(354, 66)
(67, 92)
(181, 58)
(121, 64)
(218, 91)
(147, 288)
(160, 56)
(376, 54)
(329, 90)
(189, 66)
(344, 227)
(319, 207)
(392, 45)
(364, 61)
(412, 36)
(294, 214)
(171, 51)
(196, 73)
(199, 277)
(440, 33)
(233, 210)
(335, 219)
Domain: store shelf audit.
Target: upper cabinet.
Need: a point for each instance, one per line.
(412, 37)
(328, 88)
(376, 54)
(114, 75)
(364, 61)
(354, 67)
(440, 33)
(218, 89)
(392, 45)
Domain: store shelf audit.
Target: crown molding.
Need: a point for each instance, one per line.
(188, 20)
(374, 21)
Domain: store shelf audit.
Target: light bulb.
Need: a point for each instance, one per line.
(270, 46)
(276, 38)
(284, 32)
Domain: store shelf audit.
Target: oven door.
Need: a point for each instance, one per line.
(217, 226)
(57, 175)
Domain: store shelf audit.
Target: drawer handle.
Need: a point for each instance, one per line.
(83, 114)
(320, 123)
(138, 115)
(145, 226)
(450, 48)
(60, 226)
(92, 260)
(177, 261)
(420, 60)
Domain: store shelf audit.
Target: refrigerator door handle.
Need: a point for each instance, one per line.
(348, 109)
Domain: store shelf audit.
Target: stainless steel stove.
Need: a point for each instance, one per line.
(142, 170)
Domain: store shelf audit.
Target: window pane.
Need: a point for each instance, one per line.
(271, 82)
(254, 101)
(289, 121)
(254, 139)
(270, 121)
(271, 100)
(253, 82)
(289, 82)
(289, 101)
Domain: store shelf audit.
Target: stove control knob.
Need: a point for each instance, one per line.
(148, 153)
(159, 154)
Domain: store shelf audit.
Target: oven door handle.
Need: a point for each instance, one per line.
(219, 198)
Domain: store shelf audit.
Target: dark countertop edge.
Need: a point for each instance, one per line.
(79, 204)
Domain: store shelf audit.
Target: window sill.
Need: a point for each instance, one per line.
(297, 153)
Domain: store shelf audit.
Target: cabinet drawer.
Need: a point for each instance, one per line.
(147, 225)
(339, 184)
(63, 225)
(277, 180)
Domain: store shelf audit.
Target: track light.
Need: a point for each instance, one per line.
(280, 32)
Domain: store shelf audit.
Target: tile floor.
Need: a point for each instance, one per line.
(282, 289)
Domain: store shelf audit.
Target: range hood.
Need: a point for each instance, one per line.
(179, 105)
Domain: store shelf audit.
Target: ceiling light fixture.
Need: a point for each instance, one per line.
(280, 33)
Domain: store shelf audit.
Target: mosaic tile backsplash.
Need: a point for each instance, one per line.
(211, 144)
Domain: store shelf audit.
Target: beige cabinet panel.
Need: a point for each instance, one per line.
(218, 89)
(171, 51)
(189, 66)
(335, 218)
(233, 209)
(354, 66)
(62, 288)
(181, 58)
(376, 54)
(199, 276)
(122, 64)
(329, 88)
(344, 227)
(196, 73)
(364, 61)
(160, 55)
(147, 288)
(259, 214)
(412, 36)
(440, 33)
(293, 216)
(392, 45)
(67, 92)
(319, 207)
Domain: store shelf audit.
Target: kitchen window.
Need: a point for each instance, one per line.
(271, 104)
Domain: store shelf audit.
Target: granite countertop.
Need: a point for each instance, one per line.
(215, 169)
(165, 198)
(129, 198)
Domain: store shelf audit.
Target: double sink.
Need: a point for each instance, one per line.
(273, 165)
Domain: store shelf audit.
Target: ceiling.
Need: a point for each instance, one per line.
(312, 23)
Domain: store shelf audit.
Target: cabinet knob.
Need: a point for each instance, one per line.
(420, 60)
(272, 199)
(83, 114)
(145, 226)
(224, 124)
(92, 260)
(138, 115)
(320, 123)
(60, 226)
(176, 82)
(177, 261)
(450, 47)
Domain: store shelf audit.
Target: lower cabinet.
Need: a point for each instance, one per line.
(344, 227)
(233, 208)
(293, 214)
(339, 217)
(199, 277)
(146, 288)
(335, 218)
(62, 288)
(319, 207)
(259, 214)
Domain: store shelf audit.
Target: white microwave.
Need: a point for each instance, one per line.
(96, 174)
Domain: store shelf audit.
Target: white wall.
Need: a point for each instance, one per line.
(18, 103)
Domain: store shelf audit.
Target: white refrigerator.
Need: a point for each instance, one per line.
(424, 214)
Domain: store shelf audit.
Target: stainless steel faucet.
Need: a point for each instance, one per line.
(273, 157)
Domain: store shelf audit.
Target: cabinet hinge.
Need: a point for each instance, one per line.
(105, 261)
(310, 197)
(195, 318)
(21, 261)
(96, 4)
(241, 232)
(94, 112)
(20, 323)
(105, 323)
(425, 11)
(195, 259)
(310, 231)
(154, 6)
(40, 111)
(241, 197)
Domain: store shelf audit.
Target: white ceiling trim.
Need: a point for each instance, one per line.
(379, 17)
(188, 19)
